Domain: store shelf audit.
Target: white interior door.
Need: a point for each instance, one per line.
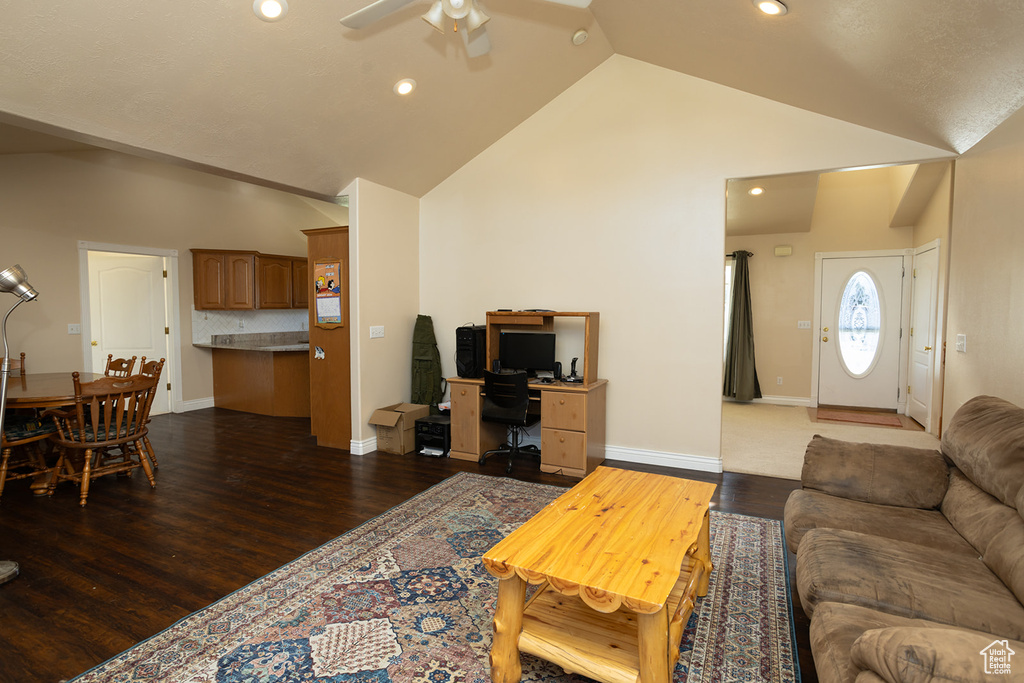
(859, 334)
(923, 307)
(127, 312)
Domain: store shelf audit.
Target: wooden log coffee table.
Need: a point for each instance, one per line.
(622, 556)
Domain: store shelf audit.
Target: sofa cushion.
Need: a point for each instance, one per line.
(806, 510)
(985, 439)
(920, 654)
(995, 530)
(837, 626)
(907, 580)
(875, 473)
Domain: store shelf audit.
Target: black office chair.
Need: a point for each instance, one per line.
(507, 400)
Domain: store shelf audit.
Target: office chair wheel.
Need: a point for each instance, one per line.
(508, 468)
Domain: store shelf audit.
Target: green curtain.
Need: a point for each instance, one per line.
(740, 374)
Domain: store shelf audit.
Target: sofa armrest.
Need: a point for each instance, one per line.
(876, 473)
(909, 654)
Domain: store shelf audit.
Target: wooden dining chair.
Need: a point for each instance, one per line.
(102, 433)
(119, 367)
(17, 364)
(21, 455)
(152, 368)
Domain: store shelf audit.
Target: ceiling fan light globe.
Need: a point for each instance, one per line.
(457, 12)
(435, 16)
(476, 18)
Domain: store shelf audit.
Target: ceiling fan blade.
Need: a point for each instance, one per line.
(373, 12)
(580, 4)
(477, 42)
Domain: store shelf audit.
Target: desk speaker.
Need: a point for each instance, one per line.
(470, 341)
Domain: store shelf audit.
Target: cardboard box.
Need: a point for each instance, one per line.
(396, 426)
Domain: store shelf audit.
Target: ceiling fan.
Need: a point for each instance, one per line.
(467, 11)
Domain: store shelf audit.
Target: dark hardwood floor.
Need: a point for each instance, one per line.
(237, 496)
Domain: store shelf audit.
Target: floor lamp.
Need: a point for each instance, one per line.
(11, 280)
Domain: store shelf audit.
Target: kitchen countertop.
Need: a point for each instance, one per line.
(262, 341)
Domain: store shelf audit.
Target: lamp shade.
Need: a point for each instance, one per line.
(13, 280)
(435, 16)
(476, 18)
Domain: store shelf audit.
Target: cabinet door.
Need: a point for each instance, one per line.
(208, 274)
(274, 288)
(240, 281)
(300, 283)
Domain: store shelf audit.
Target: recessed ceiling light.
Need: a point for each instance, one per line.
(755, 191)
(405, 86)
(270, 10)
(773, 7)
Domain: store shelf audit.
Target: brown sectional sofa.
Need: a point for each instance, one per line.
(910, 562)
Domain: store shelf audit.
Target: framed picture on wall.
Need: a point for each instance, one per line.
(329, 295)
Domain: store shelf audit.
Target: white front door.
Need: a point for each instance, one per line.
(924, 302)
(859, 332)
(127, 312)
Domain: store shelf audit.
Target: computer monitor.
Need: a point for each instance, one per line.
(529, 351)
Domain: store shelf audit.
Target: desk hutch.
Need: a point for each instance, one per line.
(572, 415)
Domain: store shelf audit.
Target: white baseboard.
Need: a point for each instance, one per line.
(701, 463)
(363, 447)
(194, 404)
(777, 401)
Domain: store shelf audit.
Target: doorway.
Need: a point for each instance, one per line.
(127, 310)
(861, 308)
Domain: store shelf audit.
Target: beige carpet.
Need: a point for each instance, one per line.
(760, 438)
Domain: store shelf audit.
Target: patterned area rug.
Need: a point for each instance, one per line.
(404, 598)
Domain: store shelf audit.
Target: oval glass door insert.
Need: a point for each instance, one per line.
(860, 324)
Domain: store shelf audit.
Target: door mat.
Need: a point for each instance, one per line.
(866, 418)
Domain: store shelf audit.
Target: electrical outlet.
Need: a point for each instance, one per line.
(74, 328)
(778, 380)
(961, 343)
(803, 324)
(241, 324)
(376, 331)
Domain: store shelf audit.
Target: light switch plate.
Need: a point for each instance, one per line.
(74, 328)
(961, 343)
(376, 331)
(803, 324)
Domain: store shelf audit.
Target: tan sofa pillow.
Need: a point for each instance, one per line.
(876, 473)
(985, 439)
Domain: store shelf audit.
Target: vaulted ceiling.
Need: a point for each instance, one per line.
(306, 104)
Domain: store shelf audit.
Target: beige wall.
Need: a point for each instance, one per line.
(612, 199)
(851, 213)
(383, 245)
(51, 201)
(986, 275)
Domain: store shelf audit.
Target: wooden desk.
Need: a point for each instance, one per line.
(623, 556)
(45, 389)
(572, 421)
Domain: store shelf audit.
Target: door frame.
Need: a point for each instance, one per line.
(938, 342)
(908, 258)
(176, 404)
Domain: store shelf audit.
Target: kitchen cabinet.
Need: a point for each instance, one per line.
(274, 281)
(300, 283)
(225, 279)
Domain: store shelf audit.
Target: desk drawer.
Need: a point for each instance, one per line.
(564, 410)
(563, 448)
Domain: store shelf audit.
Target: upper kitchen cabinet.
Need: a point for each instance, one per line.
(300, 283)
(273, 281)
(224, 280)
(246, 280)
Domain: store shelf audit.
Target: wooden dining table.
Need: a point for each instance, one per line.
(44, 389)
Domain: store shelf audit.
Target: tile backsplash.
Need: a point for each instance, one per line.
(208, 323)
